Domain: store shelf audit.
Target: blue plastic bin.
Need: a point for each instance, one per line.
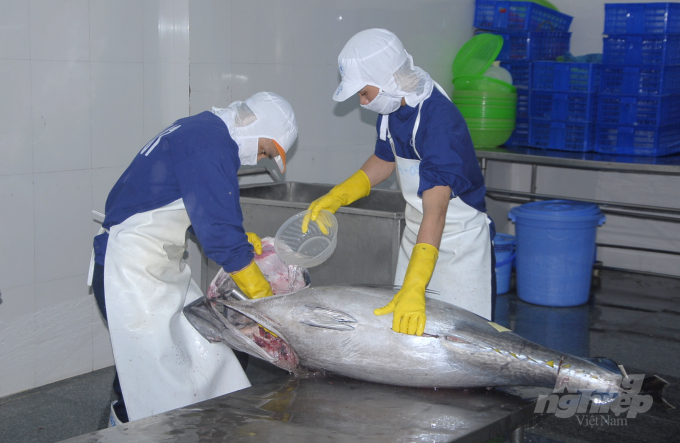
(649, 141)
(522, 103)
(641, 50)
(520, 16)
(645, 110)
(519, 45)
(562, 136)
(563, 106)
(555, 251)
(641, 18)
(504, 250)
(520, 136)
(565, 76)
(521, 73)
(642, 80)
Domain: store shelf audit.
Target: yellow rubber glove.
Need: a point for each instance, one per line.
(256, 241)
(408, 304)
(252, 282)
(347, 192)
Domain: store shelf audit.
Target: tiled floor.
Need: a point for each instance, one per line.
(633, 319)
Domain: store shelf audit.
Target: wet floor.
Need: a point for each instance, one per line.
(632, 319)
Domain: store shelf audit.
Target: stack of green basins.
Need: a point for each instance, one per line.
(488, 105)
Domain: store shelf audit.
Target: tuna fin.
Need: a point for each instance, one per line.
(321, 317)
(498, 327)
(605, 363)
(394, 288)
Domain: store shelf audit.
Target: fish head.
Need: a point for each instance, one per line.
(247, 330)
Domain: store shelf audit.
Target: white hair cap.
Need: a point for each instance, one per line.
(377, 57)
(264, 115)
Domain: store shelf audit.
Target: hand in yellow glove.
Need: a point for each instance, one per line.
(252, 282)
(347, 192)
(408, 304)
(255, 240)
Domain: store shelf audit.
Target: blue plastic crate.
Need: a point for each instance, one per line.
(644, 80)
(563, 106)
(522, 103)
(649, 49)
(532, 45)
(562, 136)
(564, 76)
(520, 71)
(651, 141)
(520, 136)
(520, 16)
(641, 18)
(645, 110)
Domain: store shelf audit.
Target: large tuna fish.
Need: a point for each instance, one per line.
(334, 329)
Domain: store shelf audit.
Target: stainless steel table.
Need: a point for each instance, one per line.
(592, 161)
(333, 409)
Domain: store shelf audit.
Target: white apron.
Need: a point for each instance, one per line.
(462, 275)
(163, 363)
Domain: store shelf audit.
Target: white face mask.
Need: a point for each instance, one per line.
(247, 150)
(383, 103)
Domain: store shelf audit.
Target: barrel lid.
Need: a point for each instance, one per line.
(557, 210)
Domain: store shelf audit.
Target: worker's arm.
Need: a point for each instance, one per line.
(435, 204)
(357, 186)
(377, 170)
(408, 305)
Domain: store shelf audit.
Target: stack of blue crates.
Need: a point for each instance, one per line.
(530, 32)
(639, 102)
(563, 105)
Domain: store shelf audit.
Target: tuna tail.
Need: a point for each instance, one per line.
(654, 385)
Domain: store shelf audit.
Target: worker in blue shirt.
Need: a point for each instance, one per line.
(446, 246)
(184, 177)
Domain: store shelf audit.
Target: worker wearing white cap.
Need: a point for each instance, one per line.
(184, 177)
(446, 246)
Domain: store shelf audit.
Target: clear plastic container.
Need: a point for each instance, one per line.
(310, 248)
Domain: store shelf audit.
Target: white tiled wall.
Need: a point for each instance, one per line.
(87, 82)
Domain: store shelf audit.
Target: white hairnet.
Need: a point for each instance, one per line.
(264, 115)
(377, 57)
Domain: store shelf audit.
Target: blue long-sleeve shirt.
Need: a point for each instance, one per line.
(195, 159)
(445, 147)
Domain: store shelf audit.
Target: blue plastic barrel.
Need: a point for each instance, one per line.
(504, 250)
(555, 246)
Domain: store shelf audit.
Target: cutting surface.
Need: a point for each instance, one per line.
(331, 409)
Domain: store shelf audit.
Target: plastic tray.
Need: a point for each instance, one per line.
(645, 80)
(564, 76)
(520, 136)
(522, 103)
(532, 45)
(562, 136)
(520, 16)
(649, 110)
(649, 49)
(650, 141)
(641, 18)
(521, 73)
(563, 106)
